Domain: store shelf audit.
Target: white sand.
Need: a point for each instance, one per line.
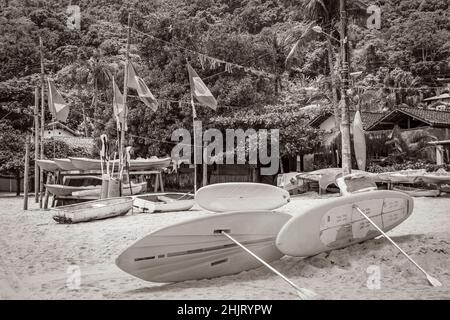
(36, 252)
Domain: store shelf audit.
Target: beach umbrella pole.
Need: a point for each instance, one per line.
(303, 293)
(433, 281)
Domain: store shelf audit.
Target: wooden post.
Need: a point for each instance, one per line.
(41, 174)
(125, 93)
(36, 144)
(205, 168)
(25, 175)
(345, 74)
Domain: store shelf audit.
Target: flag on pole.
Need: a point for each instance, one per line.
(199, 90)
(118, 107)
(143, 91)
(58, 107)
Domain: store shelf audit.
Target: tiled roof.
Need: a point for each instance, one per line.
(433, 118)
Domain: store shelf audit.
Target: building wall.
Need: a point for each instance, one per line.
(57, 133)
(328, 124)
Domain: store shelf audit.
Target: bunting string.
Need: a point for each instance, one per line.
(211, 61)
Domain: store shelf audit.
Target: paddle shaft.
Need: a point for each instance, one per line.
(392, 241)
(292, 284)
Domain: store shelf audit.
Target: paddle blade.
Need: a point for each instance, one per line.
(305, 294)
(433, 281)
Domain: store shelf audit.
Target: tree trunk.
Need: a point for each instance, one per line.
(333, 85)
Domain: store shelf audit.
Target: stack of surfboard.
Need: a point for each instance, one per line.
(197, 248)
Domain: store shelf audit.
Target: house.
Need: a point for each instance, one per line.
(433, 122)
(59, 131)
(440, 102)
(325, 121)
(437, 122)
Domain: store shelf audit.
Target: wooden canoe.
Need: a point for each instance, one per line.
(163, 202)
(93, 210)
(48, 165)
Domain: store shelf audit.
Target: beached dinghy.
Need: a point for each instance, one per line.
(93, 210)
(65, 164)
(48, 165)
(403, 176)
(62, 190)
(163, 202)
(439, 177)
(417, 192)
(357, 182)
(136, 188)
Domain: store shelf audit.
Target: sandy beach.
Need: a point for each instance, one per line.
(38, 258)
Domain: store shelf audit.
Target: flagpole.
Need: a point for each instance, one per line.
(41, 173)
(194, 116)
(125, 109)
(36, 144)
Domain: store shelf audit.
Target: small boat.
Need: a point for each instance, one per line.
(356, 183)
(403, 176)
(136, 188)
(148, 164)
(48, 165)
(65, 164)
(93, 210)
(439, 177)
(62, 190)
(163, 202)
(417, 192)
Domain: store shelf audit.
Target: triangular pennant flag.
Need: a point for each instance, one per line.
(118, 106)
(145, 95)
(131, 82)
(134, 82)
(199, 90)
(58, 107)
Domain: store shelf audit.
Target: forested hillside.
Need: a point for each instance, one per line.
(400, 64)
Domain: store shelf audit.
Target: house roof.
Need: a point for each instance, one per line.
(368, 118)
(59, 125)
(432, 118)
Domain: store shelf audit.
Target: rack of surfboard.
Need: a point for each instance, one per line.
(198, 248)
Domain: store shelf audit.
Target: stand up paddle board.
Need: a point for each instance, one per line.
(337, 224)
(196, 249)
(241, 196)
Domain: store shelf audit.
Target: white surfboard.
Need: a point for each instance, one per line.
(241, 196)
(336, 224)
(195, 249)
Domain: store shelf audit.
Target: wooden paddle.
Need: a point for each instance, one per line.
(102, 152)
(303, 293)
(433, 281)
(127, 159)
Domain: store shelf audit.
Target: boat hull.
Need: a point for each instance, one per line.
(93, 210)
